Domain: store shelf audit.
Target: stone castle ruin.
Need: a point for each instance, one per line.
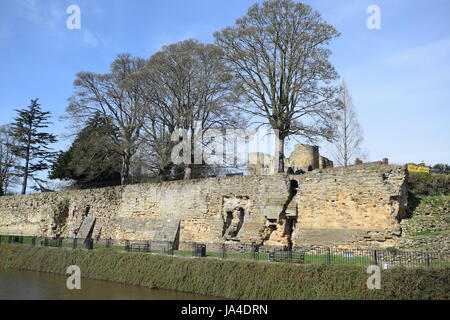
(348, 207)
(303, 158)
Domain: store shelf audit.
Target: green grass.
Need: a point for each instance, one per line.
(428, 234)
(262, 256)
(232, 278)
(307, 259)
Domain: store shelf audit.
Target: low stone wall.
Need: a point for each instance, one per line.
(348, 206)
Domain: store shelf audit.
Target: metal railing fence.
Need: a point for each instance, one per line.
(245, 251)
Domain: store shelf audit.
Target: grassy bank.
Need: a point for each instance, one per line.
(231, 279)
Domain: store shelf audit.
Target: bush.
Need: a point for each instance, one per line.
(429, 184)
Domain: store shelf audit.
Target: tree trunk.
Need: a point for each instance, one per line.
(2, 193)
(279, 149)
(25, 175)
(126, 165)
(27, 164)
(188, 167)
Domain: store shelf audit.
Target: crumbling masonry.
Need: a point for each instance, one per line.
(355, 206)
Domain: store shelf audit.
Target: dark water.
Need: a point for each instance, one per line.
(26, 285)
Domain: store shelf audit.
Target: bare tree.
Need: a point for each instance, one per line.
(7, 160)
(118, 99)
(278, 53)
(349, 134)
(185, 83)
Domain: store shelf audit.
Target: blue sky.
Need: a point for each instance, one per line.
(399, 76)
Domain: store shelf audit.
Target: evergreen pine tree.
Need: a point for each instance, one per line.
(32, 145)
(91, 160)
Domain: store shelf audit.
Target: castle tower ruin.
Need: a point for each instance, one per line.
(303, 157)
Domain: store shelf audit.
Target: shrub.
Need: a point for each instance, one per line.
(429, 184)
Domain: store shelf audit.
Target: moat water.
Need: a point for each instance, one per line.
(27, 285)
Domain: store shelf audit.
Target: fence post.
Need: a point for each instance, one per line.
(74, 244)
(127, 245)
(374, 257)
(254, 250)
(194, 249)
(271, 255)
(427, 260)
(328, 255)
(223, 251)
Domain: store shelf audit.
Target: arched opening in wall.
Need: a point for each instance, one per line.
(240, 216)
(233, 224)
(234, 211)
(228, 219)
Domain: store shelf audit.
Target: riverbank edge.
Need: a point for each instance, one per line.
(243, 280)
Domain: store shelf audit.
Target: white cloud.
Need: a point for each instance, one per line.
(90, 39)
(341, 11)
(433, 53)
(93, 39)
(50, 19)
(49, 15)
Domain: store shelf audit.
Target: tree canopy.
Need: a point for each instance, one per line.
(7, 160)
(118, 100)
(348, 135)
(31, 145)
(279, 56)
(185, 83)
(90, 161)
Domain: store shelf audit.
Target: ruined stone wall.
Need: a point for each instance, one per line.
(260, 164)
(428, 226)
(354, 205)
(325, 163)
(58, 214)
(358, 205)
(303, 157)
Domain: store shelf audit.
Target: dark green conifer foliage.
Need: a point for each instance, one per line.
(91, 160)
(32, 145)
